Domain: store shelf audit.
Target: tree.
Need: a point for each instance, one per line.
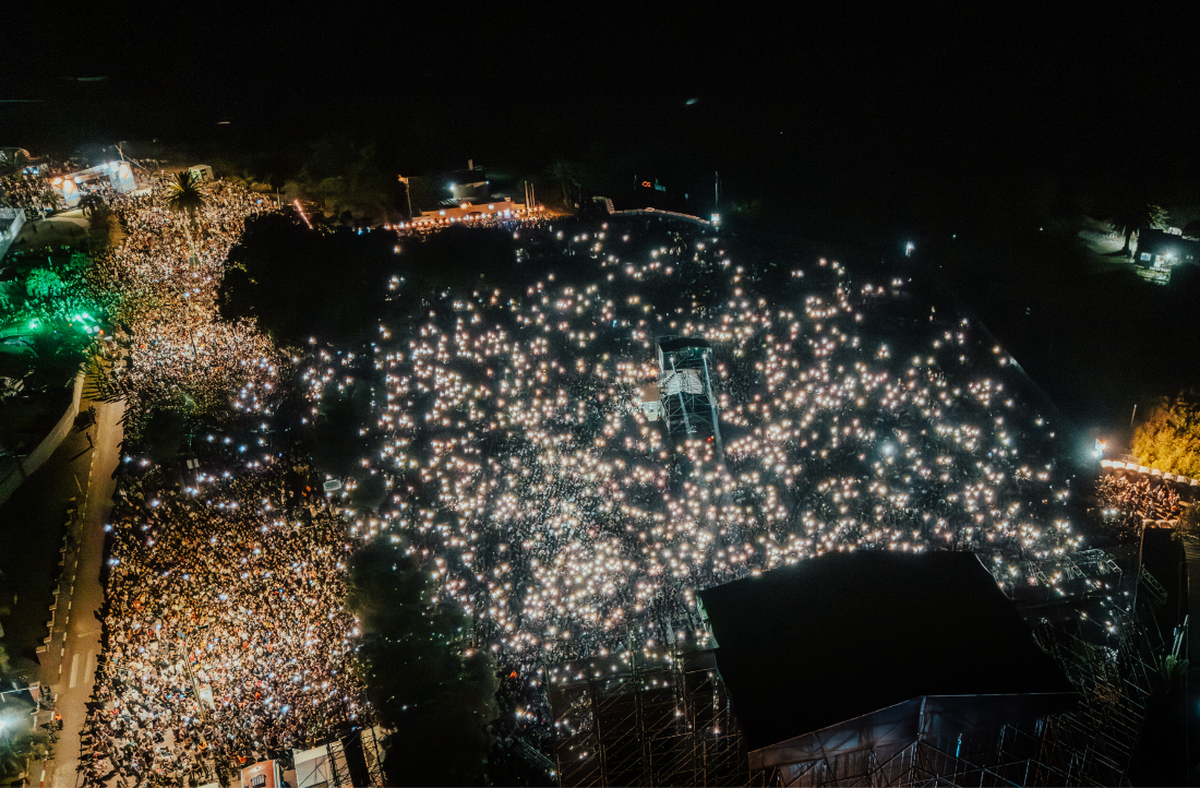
(299, 284)
(344, 178)
(165, 435)
(60, 355)
(568, 174)
(48, 199)
(427, 684)
(341, 432)
(1133, 215)
(105, 230)
(42, 282)
(18, 740)
(186, 197)
(1170, 438)
(14, 163)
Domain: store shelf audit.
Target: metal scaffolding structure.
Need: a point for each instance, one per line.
(371, 741)
(685, 387)
(633, 719)
(1081, 609)
(355, 759)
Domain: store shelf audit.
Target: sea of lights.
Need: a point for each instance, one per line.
(520, 466)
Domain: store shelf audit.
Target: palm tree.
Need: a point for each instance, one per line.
(186, 197)
(48, 199)
(1132, 216)
(13, 162)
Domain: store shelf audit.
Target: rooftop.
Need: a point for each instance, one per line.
(845, 634)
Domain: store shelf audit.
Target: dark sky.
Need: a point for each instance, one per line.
(1105, 91)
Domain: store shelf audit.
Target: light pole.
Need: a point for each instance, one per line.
(407, 195)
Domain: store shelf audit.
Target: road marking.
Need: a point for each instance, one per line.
(89, 675)
(74, 670)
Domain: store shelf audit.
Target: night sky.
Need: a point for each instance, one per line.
(882, 99)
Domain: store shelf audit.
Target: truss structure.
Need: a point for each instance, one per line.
(371, 740)
(1083, 612)
(685, 387)
(640, 718)
(630, 719)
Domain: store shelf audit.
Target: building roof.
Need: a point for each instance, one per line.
(670, 344)
(1150, 239)
(476, 177)
(846, 634)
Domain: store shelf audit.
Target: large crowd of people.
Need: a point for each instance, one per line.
(521, 463)
(522, 467)
(226, 639)
(179, 348)
(1141, 497)
(225, 635)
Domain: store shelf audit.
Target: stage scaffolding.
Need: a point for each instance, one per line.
(633, 718)
(1081, 608)
(685, 387)
(355, 759)
(370, 741)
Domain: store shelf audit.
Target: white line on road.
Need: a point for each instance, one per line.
(89, 675)
(74, 670)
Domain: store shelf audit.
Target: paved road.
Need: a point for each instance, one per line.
(69, 662)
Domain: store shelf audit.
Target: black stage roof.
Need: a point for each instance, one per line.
(835, 637)
(668, 344)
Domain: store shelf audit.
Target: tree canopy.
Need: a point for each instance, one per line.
(425, 681)
(300, 283)
(185, 195)
(344, 178)
(1132, 215)
(1170, 438)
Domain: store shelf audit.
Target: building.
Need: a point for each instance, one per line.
(201, 172)
(117, 175)
(463, 195)
(430, 193)
(1160, 250)
(264, 774)
(649, 402)
(467, 212)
